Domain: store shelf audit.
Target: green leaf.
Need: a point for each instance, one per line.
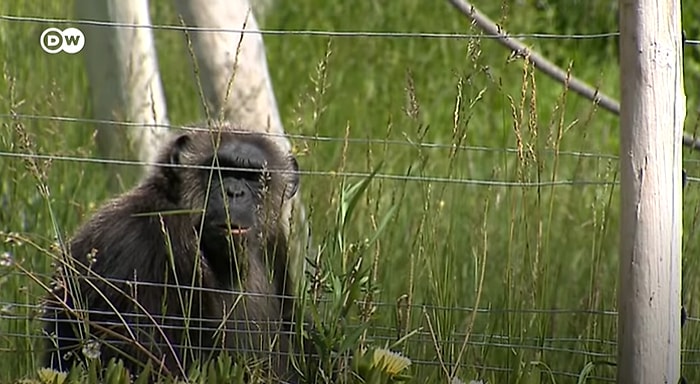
(588, 369)
(351, 196)
(382, 225)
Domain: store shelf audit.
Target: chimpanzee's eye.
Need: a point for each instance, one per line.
(247, 175)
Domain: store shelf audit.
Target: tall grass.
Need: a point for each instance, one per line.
(484, 247)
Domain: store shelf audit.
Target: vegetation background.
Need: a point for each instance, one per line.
(469, 141)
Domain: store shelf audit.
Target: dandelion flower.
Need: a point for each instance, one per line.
(390, 362)
(48, 375)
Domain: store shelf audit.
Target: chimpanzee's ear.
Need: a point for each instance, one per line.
(170, 170)
(178, 146)
(292, 177)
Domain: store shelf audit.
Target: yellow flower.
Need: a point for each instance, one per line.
(390, 362)
(49, 376)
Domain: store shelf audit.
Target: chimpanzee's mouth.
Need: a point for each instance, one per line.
(236, 230)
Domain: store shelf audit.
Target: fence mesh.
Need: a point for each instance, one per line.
(492, 250)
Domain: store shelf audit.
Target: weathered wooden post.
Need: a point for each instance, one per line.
(652, 114)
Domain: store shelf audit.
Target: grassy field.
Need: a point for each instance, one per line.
(468, 140)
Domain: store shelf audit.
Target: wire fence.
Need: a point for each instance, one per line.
(326, 33)
(331, 139)
(287, 32)
(422, 338)
(421, 341)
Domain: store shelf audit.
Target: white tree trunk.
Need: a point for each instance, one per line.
(237, 89)
(652, 114)
(122, 70)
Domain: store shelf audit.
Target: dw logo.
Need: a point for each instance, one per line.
(69, 40)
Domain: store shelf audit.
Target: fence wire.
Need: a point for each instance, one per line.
(291, 32)
(306, 138)
(423, 345)
(329, 139)
(323, 33)
(420, 339)
(14, 313)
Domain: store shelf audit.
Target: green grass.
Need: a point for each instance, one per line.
(447, 247)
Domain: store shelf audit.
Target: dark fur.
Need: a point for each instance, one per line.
(129, 238)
